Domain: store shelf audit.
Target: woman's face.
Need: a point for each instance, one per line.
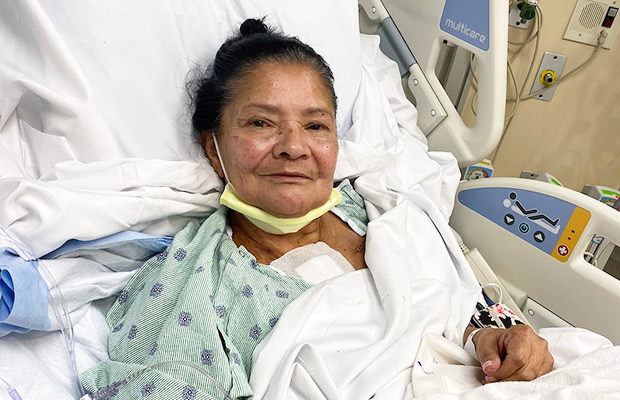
(278, 139)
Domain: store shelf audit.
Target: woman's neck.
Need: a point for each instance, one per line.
(267, 247)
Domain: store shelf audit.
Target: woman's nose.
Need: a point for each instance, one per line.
(291, 142)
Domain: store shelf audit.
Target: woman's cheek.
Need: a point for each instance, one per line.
(329, 159)
(249, 152)
(255, 151)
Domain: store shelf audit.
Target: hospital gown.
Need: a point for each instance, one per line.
(196, 313)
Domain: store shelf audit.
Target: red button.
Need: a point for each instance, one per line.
(563, 250)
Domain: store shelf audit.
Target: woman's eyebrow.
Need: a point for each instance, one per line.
(264, 107)
(275, 109)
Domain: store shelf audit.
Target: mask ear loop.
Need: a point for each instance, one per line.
(219, 157)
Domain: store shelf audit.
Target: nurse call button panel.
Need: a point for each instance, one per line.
(548, 223)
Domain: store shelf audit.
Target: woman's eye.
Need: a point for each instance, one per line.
(316, 127)
(259, 123)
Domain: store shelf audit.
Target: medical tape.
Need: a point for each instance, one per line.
(469, 345)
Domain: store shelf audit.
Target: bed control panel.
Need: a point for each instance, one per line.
(547, 223)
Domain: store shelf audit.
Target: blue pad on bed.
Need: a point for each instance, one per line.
(23, 295)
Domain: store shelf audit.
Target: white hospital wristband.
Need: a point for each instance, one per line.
(469, 344)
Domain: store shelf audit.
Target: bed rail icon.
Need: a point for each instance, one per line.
(542, 220)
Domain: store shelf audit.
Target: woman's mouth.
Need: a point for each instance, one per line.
(294, 176)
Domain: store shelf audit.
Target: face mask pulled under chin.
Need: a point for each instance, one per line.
(272, 224)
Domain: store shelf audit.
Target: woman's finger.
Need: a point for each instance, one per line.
(489, 351)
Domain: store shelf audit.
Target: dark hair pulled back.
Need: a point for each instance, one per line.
(254, 44)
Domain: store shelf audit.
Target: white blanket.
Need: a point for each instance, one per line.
(592, 376)
(90, 201)
(338, 342)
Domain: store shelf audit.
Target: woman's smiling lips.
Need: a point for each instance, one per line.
(288, 176)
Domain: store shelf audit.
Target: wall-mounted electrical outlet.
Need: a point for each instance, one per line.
(549, 72)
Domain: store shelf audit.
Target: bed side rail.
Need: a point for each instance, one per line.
(413, 33)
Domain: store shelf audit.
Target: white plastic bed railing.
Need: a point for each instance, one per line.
(545, 281)
(420, 24)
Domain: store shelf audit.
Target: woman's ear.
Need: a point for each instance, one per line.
(209, 145)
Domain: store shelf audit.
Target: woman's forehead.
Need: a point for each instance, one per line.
(274, 85)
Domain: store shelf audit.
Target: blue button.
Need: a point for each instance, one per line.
(524, 228)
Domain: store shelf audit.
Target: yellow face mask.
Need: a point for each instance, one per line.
(261, 218)
(272, 224)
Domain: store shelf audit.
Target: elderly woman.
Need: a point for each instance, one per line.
(195, 313)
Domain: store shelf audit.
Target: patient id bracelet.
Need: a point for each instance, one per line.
(469, 346)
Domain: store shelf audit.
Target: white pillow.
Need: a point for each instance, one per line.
(106, 79)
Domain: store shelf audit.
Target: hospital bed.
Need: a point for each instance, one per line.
(540, 279)
(88, 106)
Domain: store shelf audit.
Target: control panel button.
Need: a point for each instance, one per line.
(539, 236)
(563, 250)
(612, 12)
(509, 219)
(524, 228)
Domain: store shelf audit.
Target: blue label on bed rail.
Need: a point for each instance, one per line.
(467, 20)
(551, 224)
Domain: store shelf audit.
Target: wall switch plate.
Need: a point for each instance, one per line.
(515, 20)
(553, 62)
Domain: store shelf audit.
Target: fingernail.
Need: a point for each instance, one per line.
(486, 365)
(490, 379)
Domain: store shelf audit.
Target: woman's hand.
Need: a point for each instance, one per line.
(514, 354)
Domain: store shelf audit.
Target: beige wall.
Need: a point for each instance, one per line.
(576, 136)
